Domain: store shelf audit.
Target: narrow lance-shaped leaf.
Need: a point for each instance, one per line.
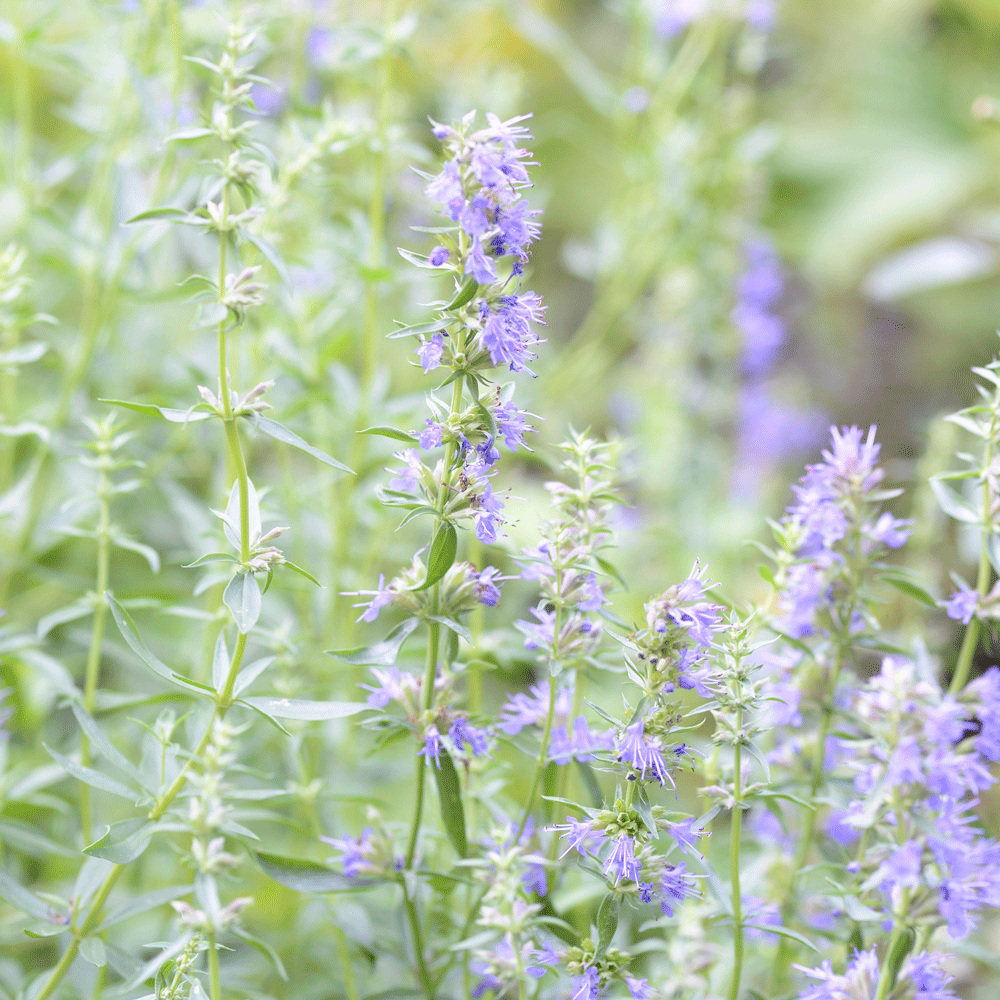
(607, 922)
(243, 598)
(450, 796)
(442, 554)
(380, 654)
(280, 433)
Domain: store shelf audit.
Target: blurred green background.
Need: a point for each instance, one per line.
(862, 140)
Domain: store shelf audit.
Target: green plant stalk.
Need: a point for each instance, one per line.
(350, 985)
(162, 805)
(971, 638)
(543, 749)
(215, 985)
(433, 630)
(735, 830)
(92, 674)
(418, 943)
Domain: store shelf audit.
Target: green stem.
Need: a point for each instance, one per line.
(734, 863)
(433, 633)
(971, 638)
(92, 673)
(215, 984)
(418, 944)
(543, 749)
(350, 985)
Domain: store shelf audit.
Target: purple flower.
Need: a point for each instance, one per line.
(839, 829)
(540, 635)
(587, 986)
(675, 15)
(643, 755)
(929, 979)
(962, 605)
(432, 746)
(507, 333)
(429, 352)
(430, 436)
(902, 867)
(534, 879)
(890, 531)
(487, 591)
(512, 426)
(480, 266)
(621, 861)
(488, 451)
(437, 256)
(355, 853)
(531, 710)
(580, 745)
(674, 887)
(390, 686)
(487, 515)
(640, 989)
(595, 598)
(407, 479)
(580, 836)
(784, 705)
(462, 734)
(686, 835)
(906, 764)
(380, 598)
(447, 186)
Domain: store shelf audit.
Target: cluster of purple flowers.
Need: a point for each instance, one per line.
(673, 16)
(919, 761)
(768, 430)
(921, 977)
(834, 525)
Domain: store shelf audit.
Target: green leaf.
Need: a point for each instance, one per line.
(264, 948)
(911, 589)
(71, 613)
(271, 255)
(93, 778)
(449, 623)
(104, 746)
(758, 755)
(243, 598)
(190, 416)
(418, 328)
(390, 432)
(250, 673)
(308, 876)
(123, 842)
(952, 503)
(591, 783)
(143, 904)
(607, 922)
(450, 796)
(783, 932)
(416, 258)
(131, 635)
(92, 950)
(283, 434)
(901, 947)
(25, 837)
(381, 654)
(442, 554)
(464, 295)
(153, 214)
(21, 899)
(305, 711)
(288, 564)
(189, 134)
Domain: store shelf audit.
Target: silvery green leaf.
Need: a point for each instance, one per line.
(251, 672)
(71, 613)
(607, 922)
(191, 416)
(22, 899)
(146, 551)
(104, 746)
(281, 433)
(93, 778)
(24, 429)
(92, 950)
(23, 354)
(243, 598)
(231, 518)
(390, 432)
(308, 876)
(26, 838)
(220, 662)
(952, 503)
(272, 256)
(380, 654)
(305, 711)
